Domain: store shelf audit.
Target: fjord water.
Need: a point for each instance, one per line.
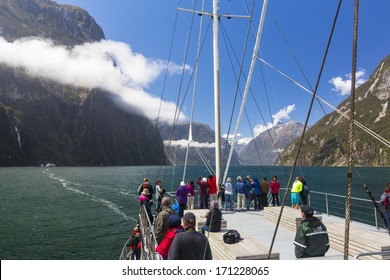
(88, 212)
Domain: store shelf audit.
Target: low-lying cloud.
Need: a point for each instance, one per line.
(183, 143)
(106, 64)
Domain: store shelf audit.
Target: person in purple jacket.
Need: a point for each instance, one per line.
(191, 195)
(181, 194)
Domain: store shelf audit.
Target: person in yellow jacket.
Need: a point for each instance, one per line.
(295, 192)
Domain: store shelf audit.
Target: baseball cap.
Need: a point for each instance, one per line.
(307, 209)
(189, 217)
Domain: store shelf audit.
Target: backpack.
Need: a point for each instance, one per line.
(231, 237)
(305, 190)
(385, 199)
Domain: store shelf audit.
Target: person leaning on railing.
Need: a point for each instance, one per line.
(385, 201)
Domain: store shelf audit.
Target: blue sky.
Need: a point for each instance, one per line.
(146, 27)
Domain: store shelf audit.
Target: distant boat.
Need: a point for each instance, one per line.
(50, 164)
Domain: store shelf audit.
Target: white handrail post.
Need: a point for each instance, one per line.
(327, 205)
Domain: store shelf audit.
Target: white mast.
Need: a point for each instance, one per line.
(217, 119)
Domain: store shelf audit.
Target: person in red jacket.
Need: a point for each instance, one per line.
(202, 193)
(212, 182)
(134, 244)
(274, 185)
(174, 228)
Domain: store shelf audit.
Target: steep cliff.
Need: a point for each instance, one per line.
(42, 121)
(326, 143)
(64, 24)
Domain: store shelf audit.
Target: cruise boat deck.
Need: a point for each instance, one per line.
(259, 226)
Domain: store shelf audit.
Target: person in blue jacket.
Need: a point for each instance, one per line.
(248, 189)
(257, 193)
(239, 188)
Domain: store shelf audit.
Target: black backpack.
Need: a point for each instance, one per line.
(305, 190)
(232, 236)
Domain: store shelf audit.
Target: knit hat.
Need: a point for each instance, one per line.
(166, 201)
(174, 221)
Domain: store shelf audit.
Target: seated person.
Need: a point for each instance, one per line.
(213, 218)
(311, 239)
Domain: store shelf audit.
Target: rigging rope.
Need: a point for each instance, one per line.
(247, 85)
(238, 80)
(194, 92)
(364, 128)
(304, 128)
(246, 114)
(204, 160)
(177, 110)
(373, 200)
(238, 90)
(163, 89)
(351, 132)
(295, 58)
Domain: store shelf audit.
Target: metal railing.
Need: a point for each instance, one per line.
(383, 253)
(148, 239)
(362, 210)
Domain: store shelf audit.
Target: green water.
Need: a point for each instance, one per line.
(88, 212)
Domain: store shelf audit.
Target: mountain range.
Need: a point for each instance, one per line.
(266, 147)
(201, 147)
(44, 121)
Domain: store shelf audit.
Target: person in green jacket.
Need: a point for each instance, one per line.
(311, 239)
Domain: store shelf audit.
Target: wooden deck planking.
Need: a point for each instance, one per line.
(247, 249)
(362, 238)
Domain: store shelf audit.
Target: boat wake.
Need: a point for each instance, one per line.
(70, 187)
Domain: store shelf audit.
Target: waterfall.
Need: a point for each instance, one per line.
(18, 137)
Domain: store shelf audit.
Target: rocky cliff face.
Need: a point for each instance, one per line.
(42, 121)
(326, 143)
(265, 148)
(64, 24)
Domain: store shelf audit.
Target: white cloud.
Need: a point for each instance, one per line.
(259, 128)
(184, 142)
(244, 141)
(343, 86)
(278, 117)
(108, 65)
(283, 114)
(231, 136)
